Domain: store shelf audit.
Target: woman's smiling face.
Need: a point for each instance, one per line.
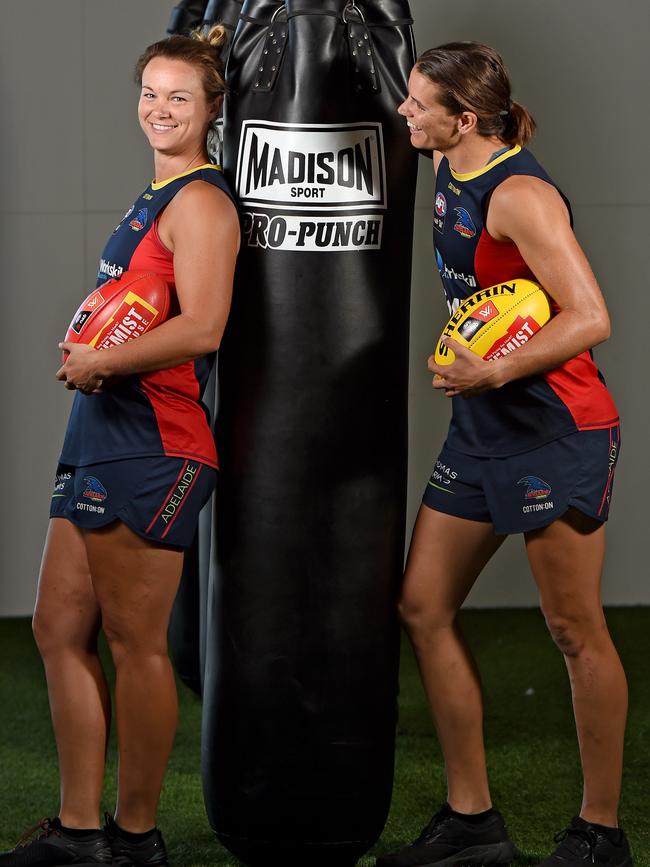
(173, 110)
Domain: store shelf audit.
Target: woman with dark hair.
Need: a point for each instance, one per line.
(539, 419)
(138, 440)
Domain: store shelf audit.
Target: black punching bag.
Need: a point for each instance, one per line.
(302, 644)
(186, 16)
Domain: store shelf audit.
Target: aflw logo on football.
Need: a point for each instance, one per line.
(488, 312)
(316, 167)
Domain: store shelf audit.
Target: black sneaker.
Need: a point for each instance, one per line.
(148, 851)
(449, 840)
(54, 848)
(583, 843)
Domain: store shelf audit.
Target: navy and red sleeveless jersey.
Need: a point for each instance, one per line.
(158, 413)
(525, 413)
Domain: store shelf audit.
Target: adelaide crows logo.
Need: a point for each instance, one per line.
(464, 224)
(94, 490)
(536, 488)
(140, 221)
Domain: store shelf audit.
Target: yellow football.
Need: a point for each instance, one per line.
(497, 320)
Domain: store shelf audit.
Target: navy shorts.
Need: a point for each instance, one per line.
(159, 498)
(530, 490)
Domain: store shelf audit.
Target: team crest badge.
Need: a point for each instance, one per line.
(139, 221)
(536, 488)
(464, 224)
(94, 490)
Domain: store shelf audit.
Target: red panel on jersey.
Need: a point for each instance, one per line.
(174, 393)
(584, 394)
(152, 255)
(496, 261)
(576, 382)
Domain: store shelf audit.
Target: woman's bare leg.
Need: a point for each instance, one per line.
(446, 556)
(66, 624)
(567, 559)
(136, 583)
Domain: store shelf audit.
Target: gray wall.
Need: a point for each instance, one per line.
(73, 159)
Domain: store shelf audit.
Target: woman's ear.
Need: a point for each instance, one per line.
(467, 121)
(216, 107)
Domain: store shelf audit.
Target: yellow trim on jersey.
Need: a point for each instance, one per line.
(468, 176)
(158, 185)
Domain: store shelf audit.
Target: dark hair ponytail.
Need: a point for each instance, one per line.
(519, 125)
(473, 78)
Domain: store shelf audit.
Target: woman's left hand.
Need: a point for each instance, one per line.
(80, 369)
(468, 374)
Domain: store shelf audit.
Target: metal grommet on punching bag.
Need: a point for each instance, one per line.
(300, 690)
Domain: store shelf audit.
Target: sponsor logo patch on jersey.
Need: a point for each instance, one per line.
(139, 221)
(441, 205)
(448, 273)
(464, 224)
(94, 490)
(108, 270)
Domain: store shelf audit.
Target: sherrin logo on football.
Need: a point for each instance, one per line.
(322, 170)
(496, 321)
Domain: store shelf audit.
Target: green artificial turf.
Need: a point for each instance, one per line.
(529, 730)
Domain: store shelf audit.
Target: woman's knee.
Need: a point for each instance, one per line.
(566, 634)
(128, 636)
(66, 616)
(573, 632)
(421, 618)
(58, 629)
(46, 634)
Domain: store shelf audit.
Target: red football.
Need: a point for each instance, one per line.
(122, 309)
